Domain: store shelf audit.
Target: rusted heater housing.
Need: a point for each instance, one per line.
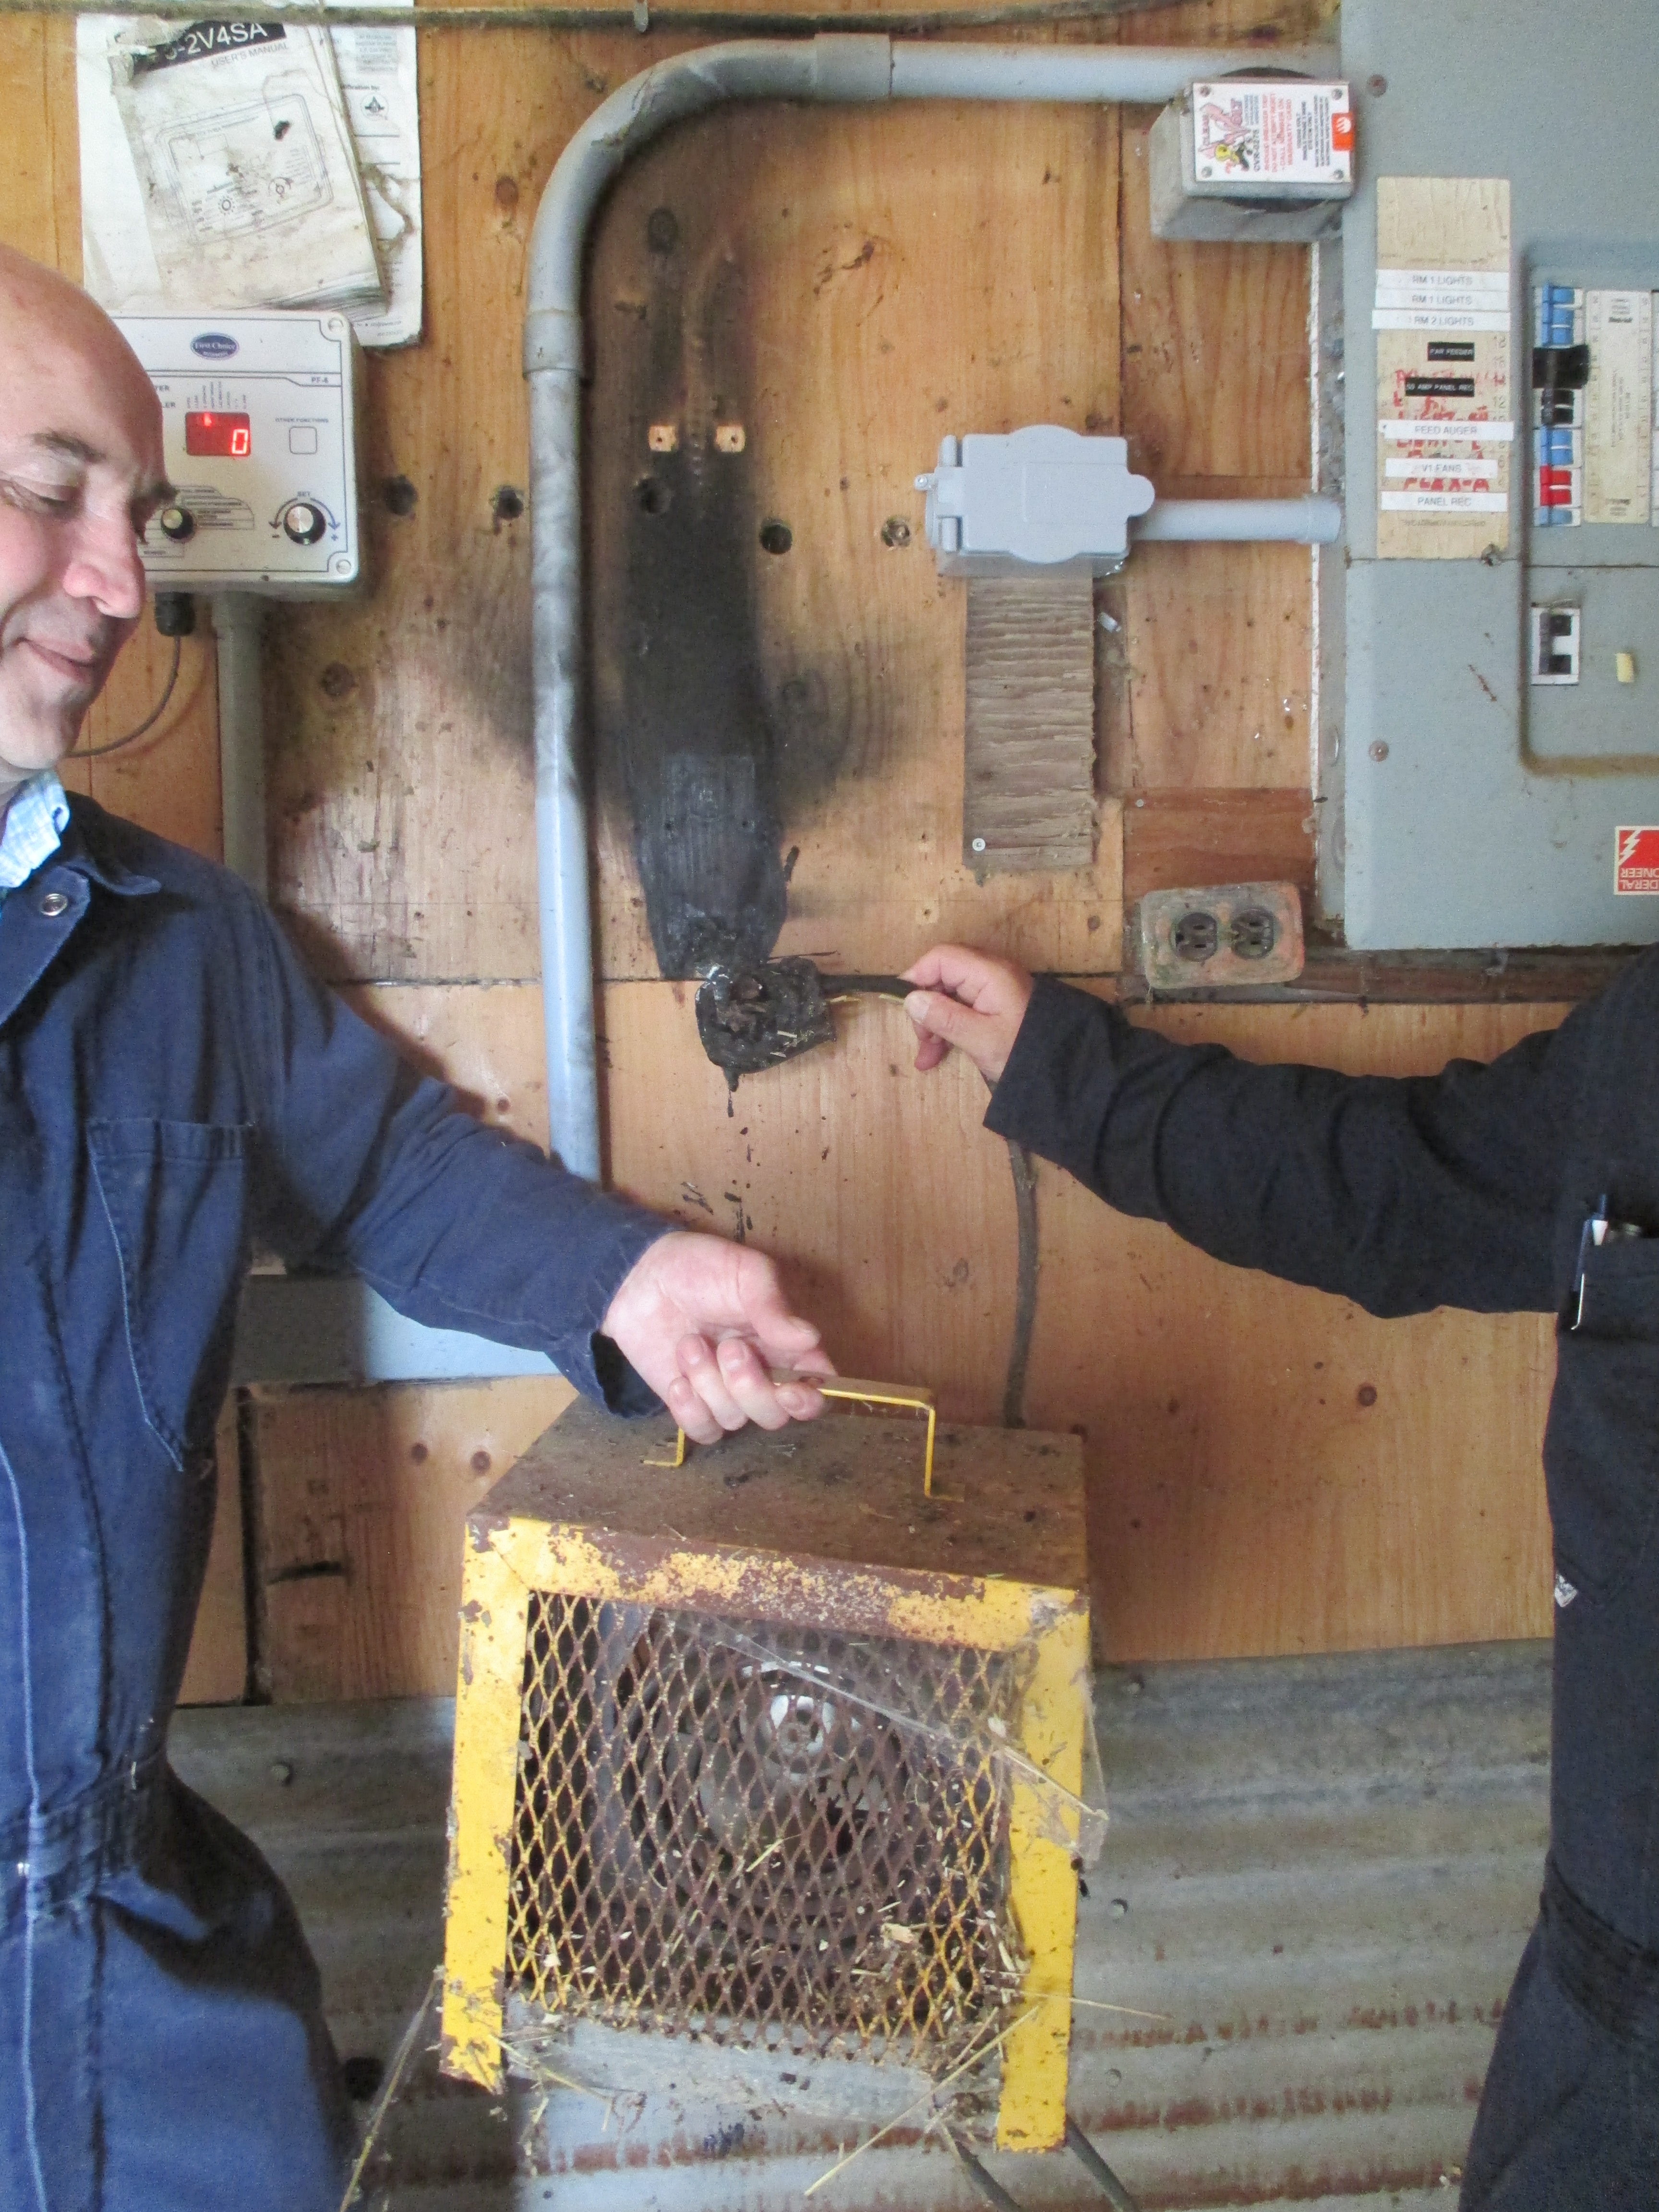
(770, 1749)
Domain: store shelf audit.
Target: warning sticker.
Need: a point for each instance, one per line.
(1635, 862)
(1286, 128)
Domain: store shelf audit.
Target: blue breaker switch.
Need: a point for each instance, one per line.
(1042, 497)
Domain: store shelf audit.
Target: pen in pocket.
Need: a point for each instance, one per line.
(1598, 1229)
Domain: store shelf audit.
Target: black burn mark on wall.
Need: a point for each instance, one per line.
(697, 749)
(707, 752)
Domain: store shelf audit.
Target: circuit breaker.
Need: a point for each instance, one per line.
(259, 415)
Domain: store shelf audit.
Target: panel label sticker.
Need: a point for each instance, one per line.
(1635, 862)
(1618, 406)
(1445, 410)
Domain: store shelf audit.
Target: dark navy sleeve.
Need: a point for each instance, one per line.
(372, 1168)
(1401, 1193)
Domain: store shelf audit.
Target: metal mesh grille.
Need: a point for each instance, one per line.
(706, 1840)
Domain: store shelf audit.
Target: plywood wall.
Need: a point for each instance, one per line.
(1269, 1469)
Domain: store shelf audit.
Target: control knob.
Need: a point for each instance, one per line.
(304, 523)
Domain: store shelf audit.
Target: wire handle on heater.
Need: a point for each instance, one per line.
(859, 1394)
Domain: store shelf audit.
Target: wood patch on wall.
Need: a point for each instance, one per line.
(1029, 750)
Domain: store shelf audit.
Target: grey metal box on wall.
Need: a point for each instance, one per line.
(1184, 205)
(1461, 802)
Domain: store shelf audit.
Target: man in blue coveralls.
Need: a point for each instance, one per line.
(173, 1085)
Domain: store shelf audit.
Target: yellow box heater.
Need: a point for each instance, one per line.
(772, 1749)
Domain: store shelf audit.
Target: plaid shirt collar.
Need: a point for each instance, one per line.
(34, 826)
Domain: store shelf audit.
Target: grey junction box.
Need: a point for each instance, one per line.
(1187, 203)
(1462, 802)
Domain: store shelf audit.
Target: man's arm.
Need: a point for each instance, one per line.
(372, 1168)
(1402, 1194)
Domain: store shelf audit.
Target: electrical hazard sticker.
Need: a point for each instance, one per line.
(1284, 129)
(1635, 862)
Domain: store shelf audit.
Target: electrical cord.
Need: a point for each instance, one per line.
(98, 752)
(1025, 1290)
(1026, 1214)
(986, 2184)
(1096, 2166)
(1081, 2148)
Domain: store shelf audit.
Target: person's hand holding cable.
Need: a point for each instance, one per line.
(969, 1000)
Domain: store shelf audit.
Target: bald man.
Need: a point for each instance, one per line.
(173, 1087)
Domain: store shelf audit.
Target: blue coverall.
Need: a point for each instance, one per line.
(1471, 1189)
(175, 1087)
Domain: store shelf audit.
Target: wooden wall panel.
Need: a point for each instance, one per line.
(843, 281)
(398, 724)
(215, 1672)
(1268, 1508)
(486, 1039)
(1218, 655)
(1271, 1469)
(362, 1498)
(41, 211)
(1245, 1496)
(1242, 1498)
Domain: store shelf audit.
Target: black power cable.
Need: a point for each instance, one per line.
(175, 618)
(97, 752)
(1096, 2166)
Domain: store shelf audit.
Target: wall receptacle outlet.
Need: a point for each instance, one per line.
(1554, 639)
(1221, 937)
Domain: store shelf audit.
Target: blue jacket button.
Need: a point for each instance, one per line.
(53, 904)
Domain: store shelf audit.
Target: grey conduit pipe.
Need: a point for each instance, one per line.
(835, 69)
(1239, 522)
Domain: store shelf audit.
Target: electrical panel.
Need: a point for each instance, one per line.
(1487, 665)
(260, 416)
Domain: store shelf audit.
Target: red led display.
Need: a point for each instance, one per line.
(230, 436)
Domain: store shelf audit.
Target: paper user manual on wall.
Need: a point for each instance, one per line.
(243, 164)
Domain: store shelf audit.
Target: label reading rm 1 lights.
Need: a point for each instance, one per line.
(259, 415)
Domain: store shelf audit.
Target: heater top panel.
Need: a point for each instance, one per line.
(845, 1488)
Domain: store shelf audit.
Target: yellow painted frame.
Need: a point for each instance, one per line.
(506, 1559)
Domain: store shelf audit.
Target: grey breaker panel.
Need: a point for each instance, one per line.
(1488, 729)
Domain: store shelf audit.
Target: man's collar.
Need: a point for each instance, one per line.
(31, 827)
(88, 849)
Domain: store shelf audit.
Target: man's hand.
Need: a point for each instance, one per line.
(702, 1321)
(969, 1000)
